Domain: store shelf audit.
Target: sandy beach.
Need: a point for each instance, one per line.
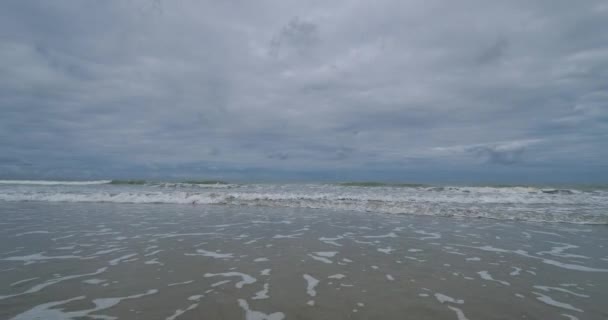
(142, 261)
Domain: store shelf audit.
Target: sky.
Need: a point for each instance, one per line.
(397, 90)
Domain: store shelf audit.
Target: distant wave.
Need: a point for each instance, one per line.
(205, 182)
(54, 183)
(381, 184)
(188, 183)
(132, 182)
(174, 184)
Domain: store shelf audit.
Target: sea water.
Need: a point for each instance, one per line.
(316, 251)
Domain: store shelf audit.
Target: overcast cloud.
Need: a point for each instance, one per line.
(418, 90)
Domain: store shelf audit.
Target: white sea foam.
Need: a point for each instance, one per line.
(262, 294)
(515, 272)
(94, 281)
(22, 281)
(118, 260)
(219, 283)
(179, 312)
(550, 301)
(322, 259)
(486, 276)
(32, 232)
(327, 254)
(387, 250)
(311, 283)
(414, 258)
(46, 310)
(51, 282)
(100, 252)
(429, 235)
(287, 236)
(179, 283)
(546, 288)
(257, 315)
(558, 251)
(568, 266)
(154, 261)
(32, 258)
(388, 235)
(445, 298)
(246, 279)
(459, 314)
(152, 253)
(212, 254)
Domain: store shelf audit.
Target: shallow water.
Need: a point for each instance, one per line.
(145, 261)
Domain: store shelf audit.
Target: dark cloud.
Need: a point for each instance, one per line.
(497, 155)
(297, 36)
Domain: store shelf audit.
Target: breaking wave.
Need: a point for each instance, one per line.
(508, 203)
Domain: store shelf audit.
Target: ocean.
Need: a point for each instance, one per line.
(210, 250)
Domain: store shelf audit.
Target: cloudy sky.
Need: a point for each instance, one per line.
(418, 90)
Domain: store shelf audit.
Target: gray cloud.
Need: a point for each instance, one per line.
(494, 52)
(296, 37)
(502, 153)
(162, 88)
(499, 154)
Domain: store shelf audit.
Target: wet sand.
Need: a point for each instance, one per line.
(123, 261)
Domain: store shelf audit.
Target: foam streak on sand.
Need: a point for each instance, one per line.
(44, 311)
(322, 259)
(179, 312)
(123, 258)
(22, 281)
(43, 285)
(246, 279)
(257, 315)
(550, 301)
(205, 253)
(444, 298)
(546, 288)
(32, 258)
(327, 254)
(262, 294)
(459, 313)
(311, 283)
(568, 266)
(332, 241)
(389, 235)
(486, 276)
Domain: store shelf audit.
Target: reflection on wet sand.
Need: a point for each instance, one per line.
(134, 261)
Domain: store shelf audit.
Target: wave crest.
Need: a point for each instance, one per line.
(471, 203)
